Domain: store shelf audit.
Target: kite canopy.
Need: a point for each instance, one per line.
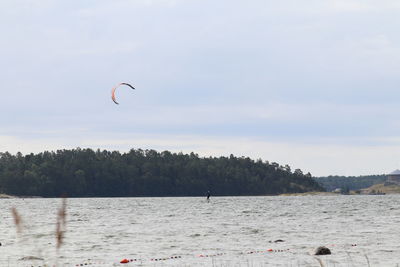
(115, 88)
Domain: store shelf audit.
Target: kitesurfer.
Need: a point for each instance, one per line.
(208, 196)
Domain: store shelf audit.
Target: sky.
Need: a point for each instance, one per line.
(308, 83)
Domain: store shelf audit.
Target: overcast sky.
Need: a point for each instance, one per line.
(313, 84)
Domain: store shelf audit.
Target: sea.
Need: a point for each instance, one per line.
(359, 230)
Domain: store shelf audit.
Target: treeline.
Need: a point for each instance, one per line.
(347, 183)
(89, 173)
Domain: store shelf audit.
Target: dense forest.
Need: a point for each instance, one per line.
(347, 183)
(88, 173)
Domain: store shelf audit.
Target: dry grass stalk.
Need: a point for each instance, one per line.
(320, 262)
(17, 220)
(61, 223)
(367, 260)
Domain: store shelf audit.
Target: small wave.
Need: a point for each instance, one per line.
(30, 258)
(195, 235)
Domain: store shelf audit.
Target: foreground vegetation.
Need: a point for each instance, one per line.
(88, 173)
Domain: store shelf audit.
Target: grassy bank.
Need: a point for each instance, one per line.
(310, 194)
(7, 196)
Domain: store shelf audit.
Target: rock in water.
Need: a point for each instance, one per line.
(322, 251)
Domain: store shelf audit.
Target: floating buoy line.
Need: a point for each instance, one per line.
(174, 257)
(124, 261)
(90, 262)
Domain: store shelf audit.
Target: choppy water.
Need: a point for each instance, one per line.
(359, 230)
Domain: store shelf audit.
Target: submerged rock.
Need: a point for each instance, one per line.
(322, 251)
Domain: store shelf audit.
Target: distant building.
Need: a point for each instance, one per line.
(394, 177)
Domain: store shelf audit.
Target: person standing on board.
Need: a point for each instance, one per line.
(208, 196)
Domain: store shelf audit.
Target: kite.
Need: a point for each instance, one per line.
(115, 88)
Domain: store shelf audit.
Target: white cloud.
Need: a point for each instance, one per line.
(315, 77)
(351, 5)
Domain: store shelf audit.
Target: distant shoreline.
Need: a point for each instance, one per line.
(313, 193)
(7, 196)
(310, 194)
